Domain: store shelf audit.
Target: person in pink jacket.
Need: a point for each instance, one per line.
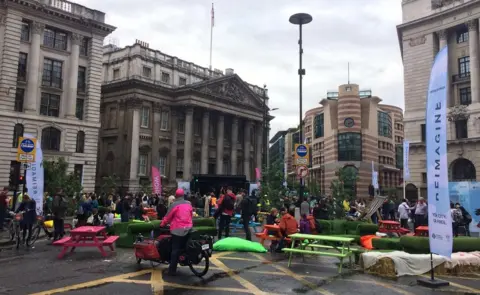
(179, 216)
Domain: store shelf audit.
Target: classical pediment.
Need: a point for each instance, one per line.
(230, 88)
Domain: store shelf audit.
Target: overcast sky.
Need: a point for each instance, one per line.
(255, 38)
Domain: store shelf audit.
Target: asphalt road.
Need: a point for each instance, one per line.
(38, 271)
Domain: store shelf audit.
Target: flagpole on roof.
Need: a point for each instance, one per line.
(211, 36)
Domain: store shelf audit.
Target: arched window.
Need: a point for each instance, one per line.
(17, 133)
(51, 137)
(80, 142)
(463, 170)
(350, 175)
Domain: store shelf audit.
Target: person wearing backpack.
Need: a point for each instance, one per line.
(226, 205)
(247, 210)
(456, 219)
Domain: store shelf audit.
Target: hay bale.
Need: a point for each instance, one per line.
(385, 267)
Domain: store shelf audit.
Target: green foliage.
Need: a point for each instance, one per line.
(313, 188)
(272, 189)
(146, 187)
(110, 184)
(56, 177)
(342, 189)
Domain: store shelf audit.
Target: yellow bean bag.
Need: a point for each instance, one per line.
(48, 223)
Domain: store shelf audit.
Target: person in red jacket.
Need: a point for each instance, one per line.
(179, 216)
(226, 205)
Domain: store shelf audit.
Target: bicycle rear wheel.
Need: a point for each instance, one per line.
(11, 232)
(34, 235)
(17, 234)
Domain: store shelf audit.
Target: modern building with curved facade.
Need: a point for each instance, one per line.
(351, 130)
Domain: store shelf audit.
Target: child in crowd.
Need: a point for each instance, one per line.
(108, 218)
(305, 225)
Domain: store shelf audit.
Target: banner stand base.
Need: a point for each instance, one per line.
(429, 283)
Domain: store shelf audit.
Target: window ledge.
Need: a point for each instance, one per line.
(52, 89)
(55, 50)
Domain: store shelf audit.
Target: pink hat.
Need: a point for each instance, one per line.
(179, 193)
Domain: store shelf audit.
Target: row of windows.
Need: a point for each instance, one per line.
(461, 130)
(385, 145)
(49, 104)
(385, 160)
(384, 124)
(51, 138)
(349, 146)
(399, 126)
(53, 38)
(147, 72)
(319, 125)
(398, 139)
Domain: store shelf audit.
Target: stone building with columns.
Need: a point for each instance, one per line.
(160, 110)
(427, 27)
(350, 130)
(50, 80)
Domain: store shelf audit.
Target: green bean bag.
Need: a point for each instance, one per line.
(238, 245)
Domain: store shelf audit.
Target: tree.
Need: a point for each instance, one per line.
(273, 189)
(343, 188)
(56, 177)
(110, 184)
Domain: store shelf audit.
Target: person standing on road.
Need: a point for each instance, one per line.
(28, 206)
(59, 208)
(3, 206)
(179, 216)
(247, 210)
(226, 204)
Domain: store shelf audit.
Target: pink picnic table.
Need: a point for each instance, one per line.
(86, 236)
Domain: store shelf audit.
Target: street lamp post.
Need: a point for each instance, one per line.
(300, 19)
(266, 129)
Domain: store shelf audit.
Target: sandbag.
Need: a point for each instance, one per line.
(366, 241)
(238, 245)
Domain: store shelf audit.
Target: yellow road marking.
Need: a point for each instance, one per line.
(93, 283)
(270, 262)
(222, 254)
(178, 286)
(250, 287)
(139, 282)
(296, 277)
(476, 291)
(157, 282)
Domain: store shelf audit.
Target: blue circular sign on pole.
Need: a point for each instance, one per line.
(27, 145)
(302, 151)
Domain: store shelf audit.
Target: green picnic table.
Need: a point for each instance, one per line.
(317, 243)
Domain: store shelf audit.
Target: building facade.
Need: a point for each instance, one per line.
(350, 131)
(276, 153)
(160, 110)
(427, 26)
(50, 79)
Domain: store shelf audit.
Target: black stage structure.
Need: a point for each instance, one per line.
(206, 183)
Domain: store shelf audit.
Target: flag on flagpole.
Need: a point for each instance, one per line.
(213, 16)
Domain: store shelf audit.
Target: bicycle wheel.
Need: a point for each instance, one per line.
(17, 234)
(11, 232)
(34, 235)
(205, 268)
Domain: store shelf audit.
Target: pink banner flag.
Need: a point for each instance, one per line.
(258, 174)
(156, 181)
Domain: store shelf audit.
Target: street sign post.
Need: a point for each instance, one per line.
(302, 154)
(26, 149)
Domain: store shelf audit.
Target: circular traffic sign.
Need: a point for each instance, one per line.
(302, 171)
(302, 150)
(27, 145)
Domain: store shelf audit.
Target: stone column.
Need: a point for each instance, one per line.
(443, 41)
(33, 69)
(246, 149)
(157, 120)
(205, 141)
(188, 145)
(233, 153)
(220, 140)
(474, 67)
(71, 104)
(259, 146)
(173, 147)
(135, 104)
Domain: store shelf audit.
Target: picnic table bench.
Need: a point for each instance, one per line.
(237, 223)
(86, 236)
(421, 231)
(341, 244)
(275, 237)
(391, 226)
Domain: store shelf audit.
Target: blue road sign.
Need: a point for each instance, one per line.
(27, 145)
(302, 151)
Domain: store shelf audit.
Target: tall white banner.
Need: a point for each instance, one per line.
(35, 178)
(439, 218)
(406, 152)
